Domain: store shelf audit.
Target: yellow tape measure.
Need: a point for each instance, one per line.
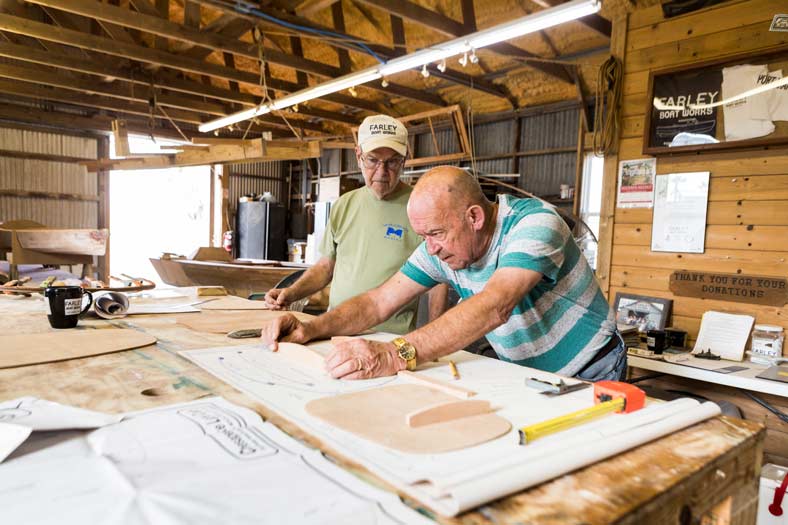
(551, 426)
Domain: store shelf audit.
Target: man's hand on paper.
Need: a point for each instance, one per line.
(286, 328)
(363, 359)
(277, 298)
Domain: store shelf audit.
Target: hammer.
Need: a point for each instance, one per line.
(609, 396)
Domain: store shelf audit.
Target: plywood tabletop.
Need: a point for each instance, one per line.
(687, 472)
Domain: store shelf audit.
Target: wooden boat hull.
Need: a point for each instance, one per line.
(241, 279)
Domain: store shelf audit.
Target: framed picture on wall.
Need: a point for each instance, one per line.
(641, 311)
(735, 102)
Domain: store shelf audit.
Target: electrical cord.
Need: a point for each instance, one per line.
(606, 108)
(768, 406)
(250, 10)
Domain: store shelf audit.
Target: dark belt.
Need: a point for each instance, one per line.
(611, 345)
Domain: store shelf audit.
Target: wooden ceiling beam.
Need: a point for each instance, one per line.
(447, 26)
(134, 103)
(36, 91)
(70, 121)
(384, 52)
(122, 91)
(594, 22)
(154, 56)
(338, 19)
(109, 73)
(310, 7)
(191, 14)
(165, 28)
(226, 25)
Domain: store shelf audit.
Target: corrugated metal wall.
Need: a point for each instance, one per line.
(541, 173)
(544, 174)
(48, 176)
(258, 177)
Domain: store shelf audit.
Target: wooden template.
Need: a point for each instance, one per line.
(381, 415)
(30, 349)
(232, 303)
(447, 412)
(452, 390)
(224, 322)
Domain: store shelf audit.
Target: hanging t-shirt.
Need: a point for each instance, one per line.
(776, 107)
(739, 124)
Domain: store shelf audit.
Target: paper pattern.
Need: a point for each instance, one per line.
(452, 482)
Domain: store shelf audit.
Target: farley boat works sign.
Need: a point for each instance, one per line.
(772, 291)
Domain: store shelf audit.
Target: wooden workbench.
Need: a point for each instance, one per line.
(673, 480)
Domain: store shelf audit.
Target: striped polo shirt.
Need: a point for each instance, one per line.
(562, 322)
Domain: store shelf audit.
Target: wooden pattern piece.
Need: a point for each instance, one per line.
(380, 415)
(453, 390)
(303, 355)
(224, 322)
(232, 303)
(447, 412)
(29, 349)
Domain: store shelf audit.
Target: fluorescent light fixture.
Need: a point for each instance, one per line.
(533, 22)
(232, 119)
(425, 56)
(326, 88)
(437, 53)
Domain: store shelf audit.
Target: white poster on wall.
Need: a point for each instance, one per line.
(636, 183)
(680, 202)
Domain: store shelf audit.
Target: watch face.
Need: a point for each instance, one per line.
(407, 352)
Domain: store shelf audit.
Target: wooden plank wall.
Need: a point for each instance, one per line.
(747, 224)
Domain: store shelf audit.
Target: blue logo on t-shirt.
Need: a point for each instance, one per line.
(394, 231)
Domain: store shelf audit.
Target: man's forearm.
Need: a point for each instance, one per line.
(351, 317)
(314, 279)
(457, 328)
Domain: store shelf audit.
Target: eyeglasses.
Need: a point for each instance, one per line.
(392, 164)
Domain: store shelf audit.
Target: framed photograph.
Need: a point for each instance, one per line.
(641, 311)
(734, 102)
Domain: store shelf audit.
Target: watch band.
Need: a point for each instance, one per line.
(406, 352)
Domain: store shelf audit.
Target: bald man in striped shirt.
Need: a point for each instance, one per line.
(523, 281)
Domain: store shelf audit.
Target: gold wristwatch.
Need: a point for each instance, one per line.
(406, 352)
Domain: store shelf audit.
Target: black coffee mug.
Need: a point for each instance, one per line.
(64, 305)
(655, 341)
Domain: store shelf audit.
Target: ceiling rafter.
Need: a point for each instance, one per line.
(161, 27)
(443, 24)
(109, 74)
(94, 122)
(477, 83)
(158, 57)
(594, 22)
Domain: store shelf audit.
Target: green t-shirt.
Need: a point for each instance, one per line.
(369, 240)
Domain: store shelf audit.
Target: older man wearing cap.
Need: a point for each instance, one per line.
(368, 237)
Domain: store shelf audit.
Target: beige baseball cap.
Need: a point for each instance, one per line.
(382, 131)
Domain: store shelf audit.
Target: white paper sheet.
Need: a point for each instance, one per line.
(11, 436)
(206, 461)
(680, 212)
(115, 305)
(40, 414)
(724, 334)
(459, 480)
(19, 417)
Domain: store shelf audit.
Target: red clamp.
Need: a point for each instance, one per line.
(776, 508)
